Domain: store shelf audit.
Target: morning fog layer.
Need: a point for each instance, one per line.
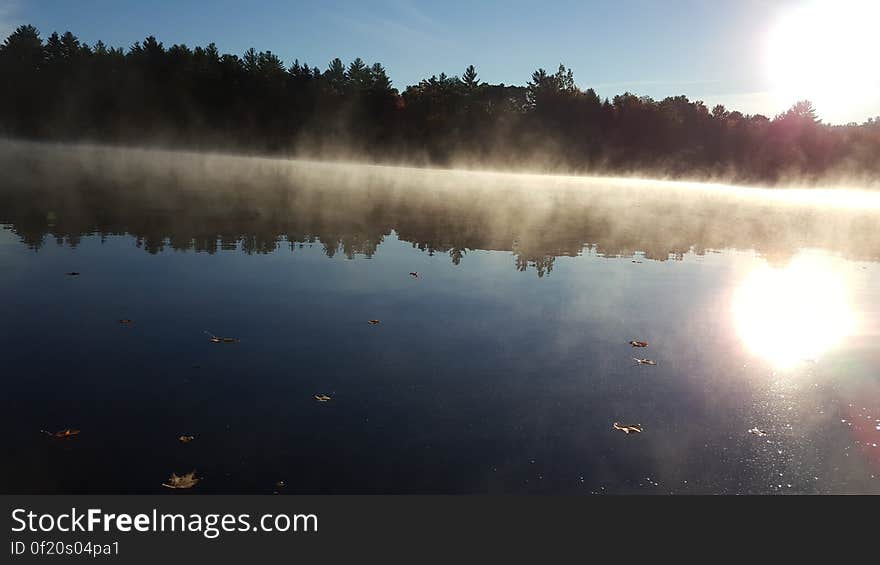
(208, 202)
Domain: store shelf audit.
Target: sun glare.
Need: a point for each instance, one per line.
(796, 313)
(825, 51)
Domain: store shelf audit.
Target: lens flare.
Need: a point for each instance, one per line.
(796, 313)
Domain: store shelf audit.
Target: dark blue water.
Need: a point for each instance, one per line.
(481, 377)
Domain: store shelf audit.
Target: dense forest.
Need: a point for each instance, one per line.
(64, 89)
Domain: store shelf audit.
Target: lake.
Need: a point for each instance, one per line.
(500, 368)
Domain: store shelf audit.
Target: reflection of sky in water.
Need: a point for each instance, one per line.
(480, 378)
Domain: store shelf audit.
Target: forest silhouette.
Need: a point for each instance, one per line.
(181, 97)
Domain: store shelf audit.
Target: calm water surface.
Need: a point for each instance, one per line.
(500, 369)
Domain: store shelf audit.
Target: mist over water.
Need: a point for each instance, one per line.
(202, 201)
(500, 368)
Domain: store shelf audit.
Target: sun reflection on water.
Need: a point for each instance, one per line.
(796, 313)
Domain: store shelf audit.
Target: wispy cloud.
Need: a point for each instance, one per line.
(654, 83)
(402, 23)
(411, 11)
(387, 29)
(759, 102)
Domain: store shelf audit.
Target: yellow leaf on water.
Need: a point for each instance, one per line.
(188, 480)
(628, 429)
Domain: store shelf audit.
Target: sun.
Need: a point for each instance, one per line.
(796, 313)
(825, 51)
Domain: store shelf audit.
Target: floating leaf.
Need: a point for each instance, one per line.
(644, 361)
(62, 434)
(639, 343)
(186, 439)
(322, 397)
(216, 339)
(628, 429)
(188, 480)
(414, 274)
(758, 432)
(373, 322)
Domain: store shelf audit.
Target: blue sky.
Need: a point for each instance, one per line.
(707, 49)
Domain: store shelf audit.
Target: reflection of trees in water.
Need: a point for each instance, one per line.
(173, 205)
(543, 265)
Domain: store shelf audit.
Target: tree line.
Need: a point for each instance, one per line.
(177, 96)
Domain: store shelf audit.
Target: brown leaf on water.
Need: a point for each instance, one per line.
(373, 322)
(62, 434)
(188, 480)
(644, 361)
(322, 397)
(186, 439)
(628, 429)
(639, 343)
